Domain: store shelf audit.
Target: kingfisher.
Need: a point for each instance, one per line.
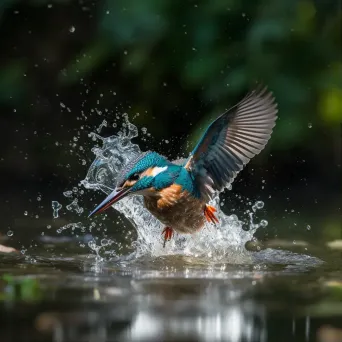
(178, 193)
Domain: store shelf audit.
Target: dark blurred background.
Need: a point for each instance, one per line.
(65, 66)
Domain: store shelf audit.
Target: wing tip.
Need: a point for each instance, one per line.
(263, 93)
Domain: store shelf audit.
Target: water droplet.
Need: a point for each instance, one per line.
(73, 206)
(72, 29)
(48, 226)
(104, 242)
(294, 242)
(56, 207)
(263, 223)
(67, 193)
(259, 204)
(39, 198)
(10, 233)
(25, 213)
(310, 125)
(308, 227)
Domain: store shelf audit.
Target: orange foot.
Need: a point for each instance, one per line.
(209, 214)
(168, 232)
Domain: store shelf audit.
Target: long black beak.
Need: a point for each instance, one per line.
(114, 197)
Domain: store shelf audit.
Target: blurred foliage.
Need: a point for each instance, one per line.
(18, 288)
(219, 49)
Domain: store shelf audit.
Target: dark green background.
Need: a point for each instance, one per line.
(177, 64)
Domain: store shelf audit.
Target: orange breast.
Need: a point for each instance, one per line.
(169, 196)
(177, 209)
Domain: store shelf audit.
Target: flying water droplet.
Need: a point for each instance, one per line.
(263, 223)
(67, 193)
(73, 206)
(56, 208)
(259, 204)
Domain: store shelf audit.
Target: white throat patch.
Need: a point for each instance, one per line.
(157, 170)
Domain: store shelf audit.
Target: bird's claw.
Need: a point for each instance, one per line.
(168, 233)
(209, 214)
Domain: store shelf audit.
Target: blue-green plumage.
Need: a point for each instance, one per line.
(177, 193)
(161, 180)
(146, 160)
(174, 174)
(188, 183)
(166, 178)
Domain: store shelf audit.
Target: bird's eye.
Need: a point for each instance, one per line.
(134, 177)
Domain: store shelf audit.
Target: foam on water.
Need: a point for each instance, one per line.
(225, 241)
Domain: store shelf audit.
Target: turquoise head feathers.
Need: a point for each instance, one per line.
(151, 170)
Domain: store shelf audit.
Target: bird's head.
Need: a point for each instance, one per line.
(136, 178)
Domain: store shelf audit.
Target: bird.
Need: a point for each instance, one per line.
(178, 193)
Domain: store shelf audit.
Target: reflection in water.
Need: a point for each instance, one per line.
(235, 323)
(232, 324)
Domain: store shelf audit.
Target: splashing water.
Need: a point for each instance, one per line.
(225, 241)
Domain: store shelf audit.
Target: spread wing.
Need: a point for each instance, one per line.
(231, 141)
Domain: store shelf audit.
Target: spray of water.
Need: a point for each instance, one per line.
(225, 241)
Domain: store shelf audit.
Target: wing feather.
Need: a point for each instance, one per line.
(232, 140)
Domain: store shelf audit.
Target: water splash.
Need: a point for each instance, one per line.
(226, 241)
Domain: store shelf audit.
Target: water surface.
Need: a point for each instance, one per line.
(282, 296)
